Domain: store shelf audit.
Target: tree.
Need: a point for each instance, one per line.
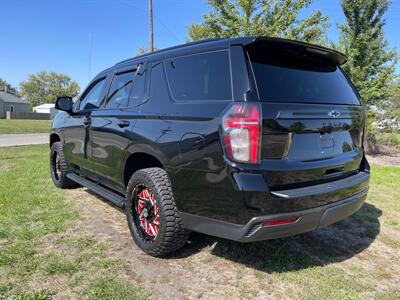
(143, 50)
(5, 86)
(371, 64)
(394, 108)
(274, 18)
(45, 87)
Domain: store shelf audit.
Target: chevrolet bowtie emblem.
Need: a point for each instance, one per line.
(334, 114)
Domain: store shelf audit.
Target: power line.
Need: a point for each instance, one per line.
(159, 21)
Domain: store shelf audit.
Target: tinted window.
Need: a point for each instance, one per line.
(118, 96)
(286, 78)
(93, 96)
(203, 76)
(158, 86)
(138, 89)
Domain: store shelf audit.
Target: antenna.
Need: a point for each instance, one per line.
(90, 56)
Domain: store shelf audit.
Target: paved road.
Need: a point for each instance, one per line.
(7, 140)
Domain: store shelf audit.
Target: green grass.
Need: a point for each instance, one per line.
(385, 194)
(108, 288)
(24, 126)
(342, 261)
(30, 207)
(34, 244)
(353, 259)
(38, 295)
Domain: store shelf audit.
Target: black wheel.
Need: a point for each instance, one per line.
(58, 167)
(152, 215)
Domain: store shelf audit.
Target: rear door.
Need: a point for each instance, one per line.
(112, 126)
(313, 121)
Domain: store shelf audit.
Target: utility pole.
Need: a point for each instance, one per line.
(151, 25)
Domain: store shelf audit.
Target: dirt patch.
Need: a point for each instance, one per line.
(381, 155)
(374, 147)
(193, 272)
(214, 268)
(384, 160)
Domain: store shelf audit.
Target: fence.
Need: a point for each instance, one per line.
(27, 116)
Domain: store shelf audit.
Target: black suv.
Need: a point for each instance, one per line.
(246, 139)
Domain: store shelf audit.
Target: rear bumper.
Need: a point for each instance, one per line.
(307, 219)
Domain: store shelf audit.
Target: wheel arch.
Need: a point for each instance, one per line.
(54, 137)
(137, 161)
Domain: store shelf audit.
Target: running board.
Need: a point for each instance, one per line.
(103, 192)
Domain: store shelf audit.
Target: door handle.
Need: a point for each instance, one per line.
(123, 123)
(86, 121)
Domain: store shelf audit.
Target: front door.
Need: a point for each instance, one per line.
(77, 145)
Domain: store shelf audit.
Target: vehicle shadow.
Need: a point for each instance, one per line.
(331, 244)
(334, 243)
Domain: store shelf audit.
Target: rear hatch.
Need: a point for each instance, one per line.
(313, 121)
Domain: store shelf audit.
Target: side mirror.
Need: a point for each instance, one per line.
(64, 103)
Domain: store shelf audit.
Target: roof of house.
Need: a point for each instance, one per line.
(45, 105)
(11, 98)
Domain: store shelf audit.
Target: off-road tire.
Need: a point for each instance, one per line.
(171, 234)
(60, 179)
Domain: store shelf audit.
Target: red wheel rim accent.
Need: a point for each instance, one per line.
(147, 211)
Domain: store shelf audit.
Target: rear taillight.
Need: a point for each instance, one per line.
(241, 130)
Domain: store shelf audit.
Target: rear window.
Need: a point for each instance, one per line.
(204, 76)
(290, 78)
(121, 85)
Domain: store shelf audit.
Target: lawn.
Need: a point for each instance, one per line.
(33, 214)
(24, 126)
(71, 244)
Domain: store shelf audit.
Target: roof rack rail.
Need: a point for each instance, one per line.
(169, 48)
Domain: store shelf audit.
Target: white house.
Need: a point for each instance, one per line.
(46, 108)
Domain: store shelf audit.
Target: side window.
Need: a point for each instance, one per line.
(118, 95)
(158, 86)
(204, 76)
(138, 89)
(94, 96)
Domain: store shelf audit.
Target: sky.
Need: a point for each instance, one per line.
(53, 35)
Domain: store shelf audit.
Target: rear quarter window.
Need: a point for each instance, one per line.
(204, 76)
(285, 78)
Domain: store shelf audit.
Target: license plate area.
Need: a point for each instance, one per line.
(327, 144)
(315, 146)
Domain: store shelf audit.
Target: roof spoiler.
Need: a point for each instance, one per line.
(304, 48)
